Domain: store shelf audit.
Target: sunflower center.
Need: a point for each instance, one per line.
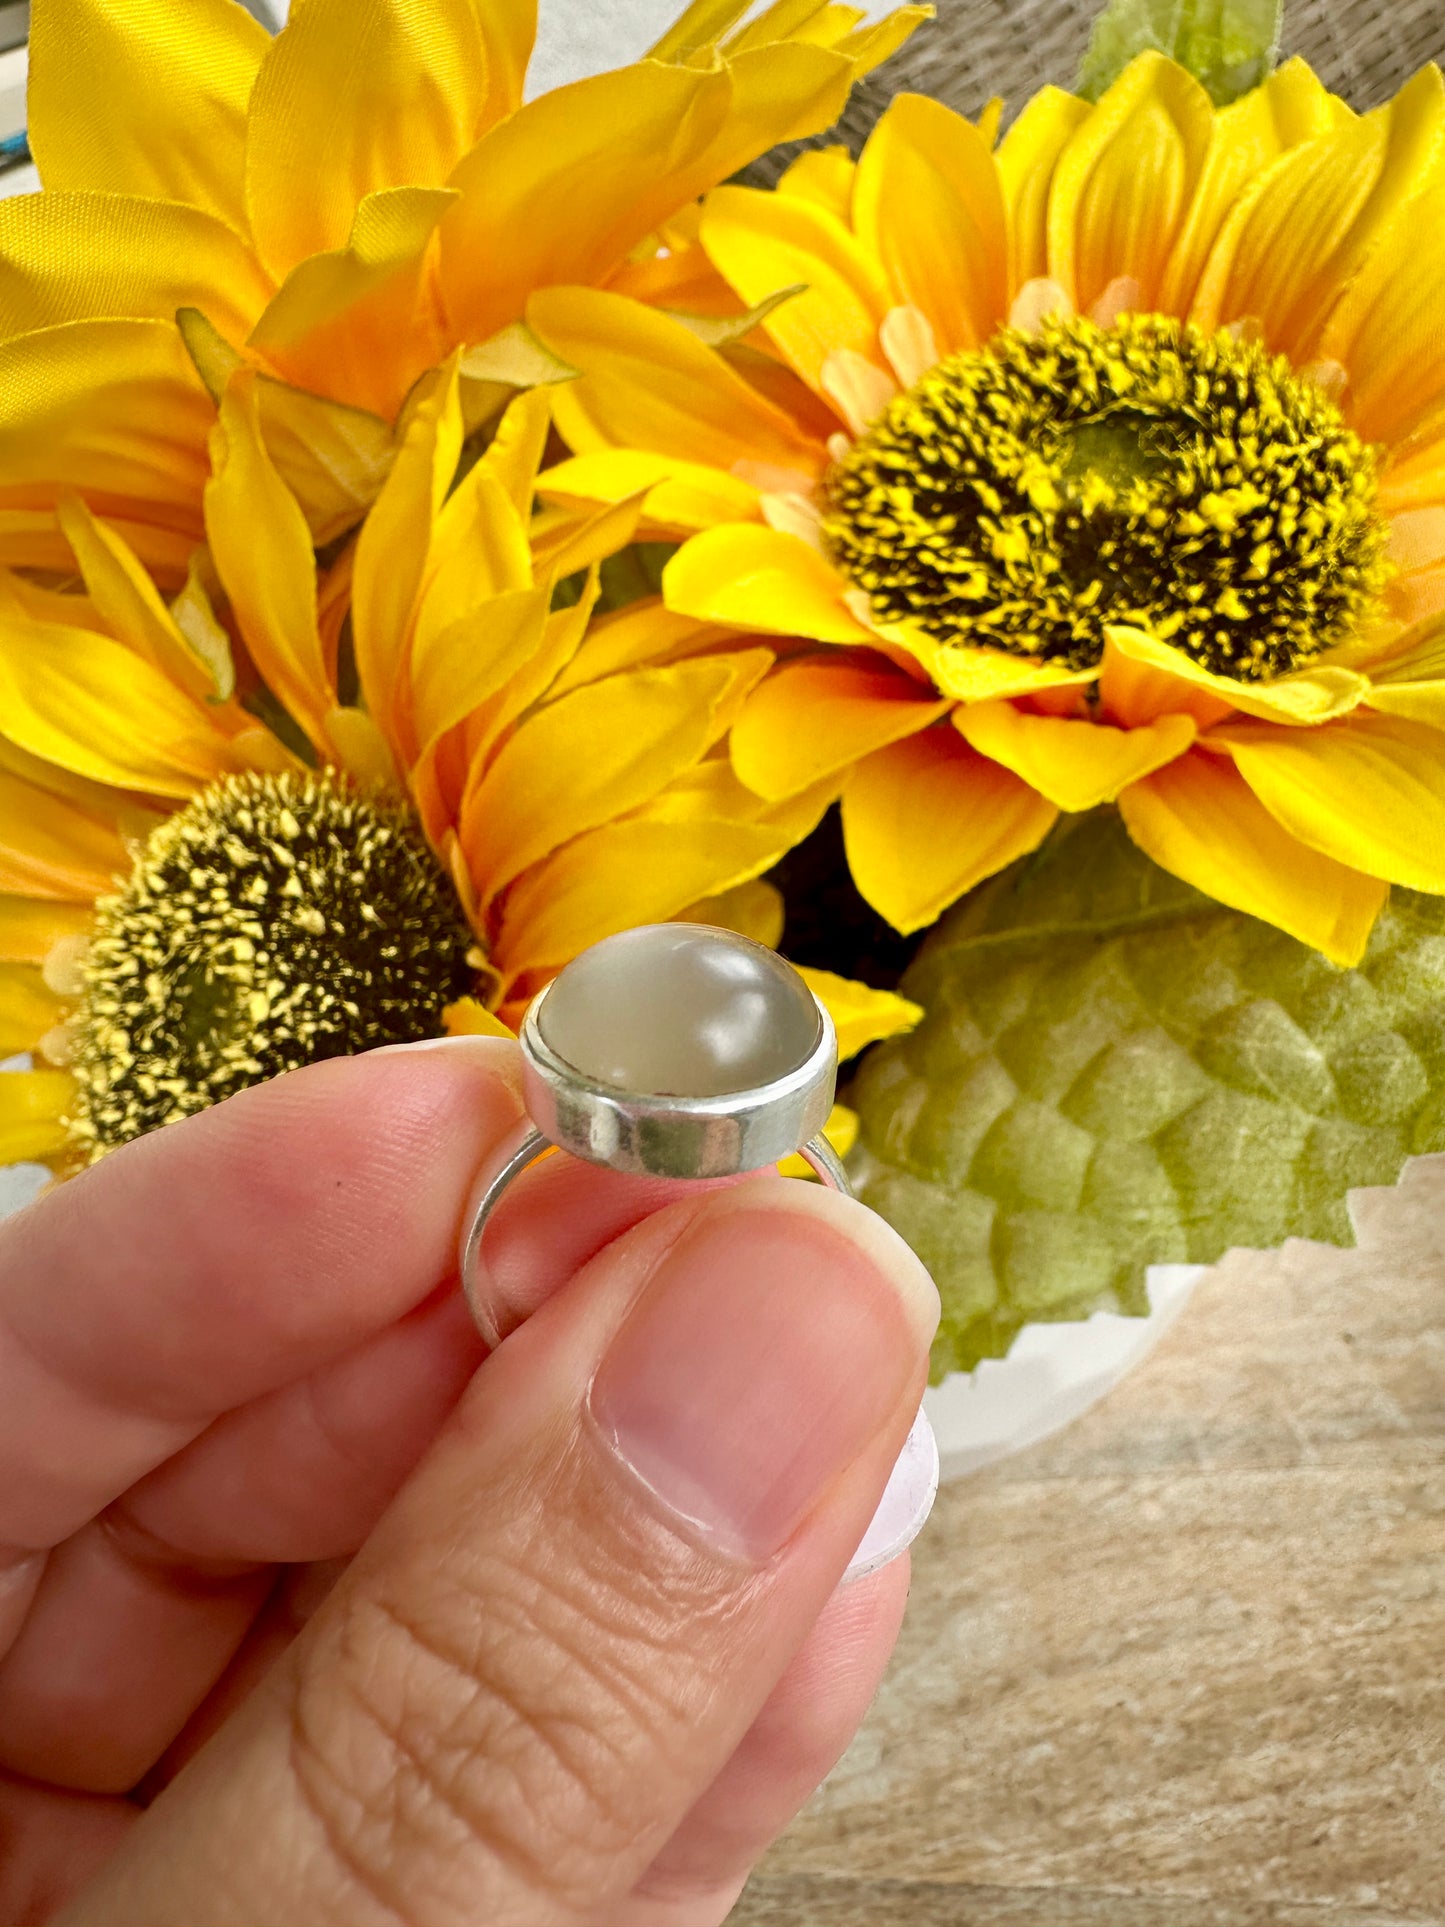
(273, 921)
(1027, 495)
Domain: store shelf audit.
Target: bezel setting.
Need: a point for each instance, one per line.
(677, 1137)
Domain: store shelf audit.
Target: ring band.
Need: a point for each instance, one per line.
(520, 1149)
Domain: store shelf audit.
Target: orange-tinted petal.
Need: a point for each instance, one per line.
(1295, 244)
(1123, 184)
(1076, 765)
(648, 383)
(1200, 820)
(928, 204)
(764, 242)
(812, 719)
(752, 577)
(926, 819)
(1027, 157)
(1368, 791)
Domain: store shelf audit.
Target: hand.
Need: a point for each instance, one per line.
(382, 1637)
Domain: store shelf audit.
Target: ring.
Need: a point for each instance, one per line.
(679, 1050)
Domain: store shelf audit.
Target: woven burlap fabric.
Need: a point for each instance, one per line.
(1361, 49)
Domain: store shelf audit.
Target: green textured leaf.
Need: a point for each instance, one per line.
(1115, 1071)
(1230, 46)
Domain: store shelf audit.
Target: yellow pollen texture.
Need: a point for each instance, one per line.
(273, 921)
(1028, 495)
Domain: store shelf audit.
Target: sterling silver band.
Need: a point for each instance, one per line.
(521, 1148)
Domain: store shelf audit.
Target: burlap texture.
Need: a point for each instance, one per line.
(1361, 49)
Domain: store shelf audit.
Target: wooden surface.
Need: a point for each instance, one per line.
(1183, 1665)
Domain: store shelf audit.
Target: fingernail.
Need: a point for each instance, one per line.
(465, 1045)
(766, 1352)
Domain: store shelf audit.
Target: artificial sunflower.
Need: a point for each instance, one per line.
(351, 808)
(341, 206)
(1105, 465)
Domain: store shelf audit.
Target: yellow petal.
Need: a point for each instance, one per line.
(31, 539)
(752, 909)
(1306, 697)
(360, 748)
(758, 578)
(1123, 184)
(620, 741)
(675, 494)
(469, 1018)
(813, 718)
(563, 189)
(699, 26)
(29, 926)
(928, 205)
(144, 99)
(824, 176)
(262, 548)
(980, 675)
(126, 601)
(861, 1015)
(643, 633)
(479, 550)
(1134, 692)
(458, 666)
(1368, 791)
(1286, 268)
(53, 847)
(1290, 108)
(76, 698)
(33, 1105)
(648, 383)
(529, 680)
(209, 643)
(705, 835)
(514, 454)
(579, 542)
(763, 242)
(75, 257)
(391, 553)
(1027, 156)
(1077, 765)
(1386, 330)
(926, 819)
(111, 409)
(353, 99)
(359, 323)
(27, 1009)
(1200, 820)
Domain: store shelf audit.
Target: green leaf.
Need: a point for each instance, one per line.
(1230, 46)
(1115, 1071)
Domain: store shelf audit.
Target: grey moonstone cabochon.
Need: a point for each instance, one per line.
(680, 1010)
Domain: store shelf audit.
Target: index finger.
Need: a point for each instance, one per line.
(201, 1267)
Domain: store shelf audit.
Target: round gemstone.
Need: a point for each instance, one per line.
(680, 1010)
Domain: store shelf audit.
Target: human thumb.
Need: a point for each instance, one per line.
(561, 1630)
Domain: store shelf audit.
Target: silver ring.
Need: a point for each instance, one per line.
(521, 1148)
(757, 1088)
(589, 1112)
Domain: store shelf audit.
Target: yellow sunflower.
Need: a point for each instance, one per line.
(288, 814)
(343, 206)
(1107, 464)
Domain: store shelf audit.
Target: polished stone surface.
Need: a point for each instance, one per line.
(680, 1010)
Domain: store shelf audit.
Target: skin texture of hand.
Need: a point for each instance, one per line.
(312, 1615)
